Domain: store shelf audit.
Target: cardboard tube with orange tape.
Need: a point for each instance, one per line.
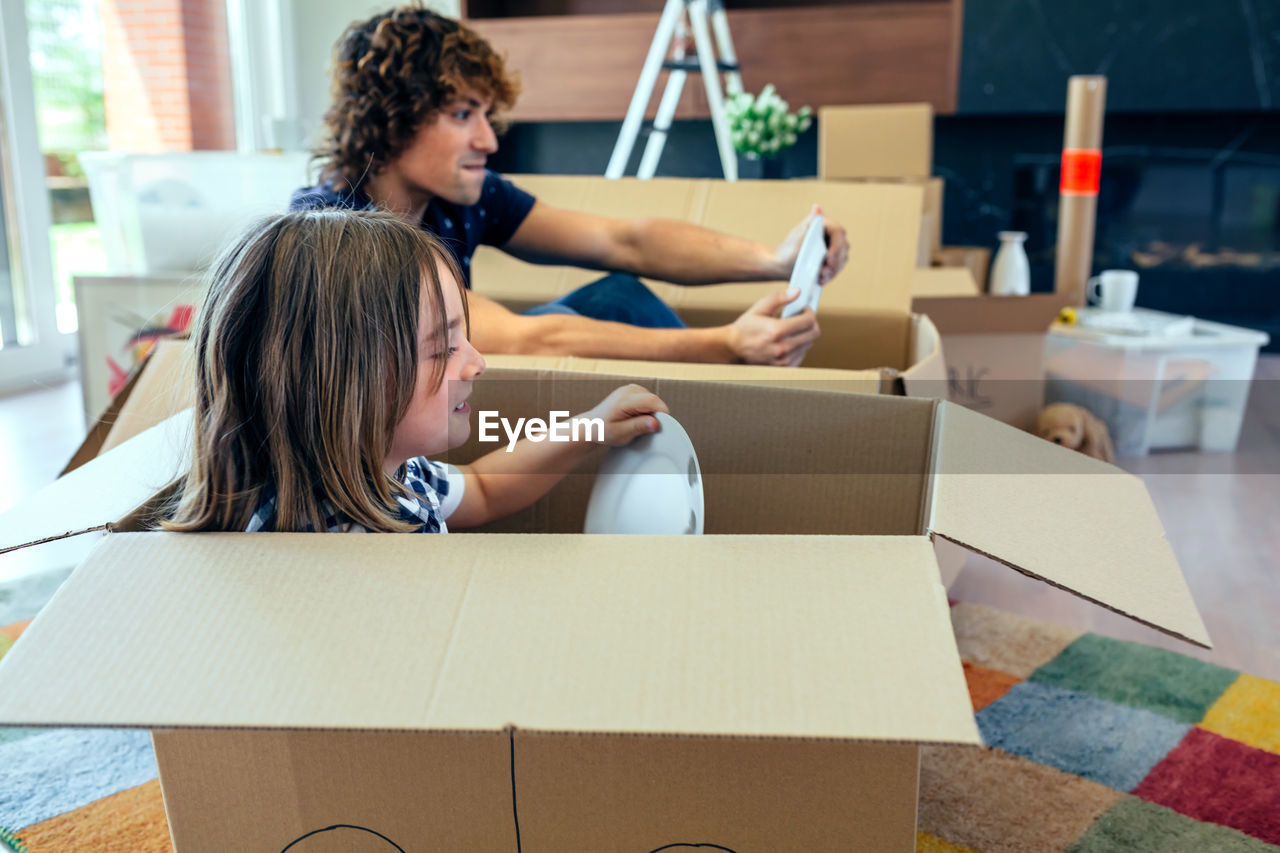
(1078, 189)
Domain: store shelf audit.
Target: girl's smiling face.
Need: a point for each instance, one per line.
(438, 419)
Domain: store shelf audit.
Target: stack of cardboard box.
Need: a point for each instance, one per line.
(994, 345)
(889, 143)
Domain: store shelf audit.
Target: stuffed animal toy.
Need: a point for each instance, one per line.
(1075, 428)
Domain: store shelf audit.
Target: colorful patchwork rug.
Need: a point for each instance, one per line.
(1094, 745)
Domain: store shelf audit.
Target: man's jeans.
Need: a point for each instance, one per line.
(619, 297)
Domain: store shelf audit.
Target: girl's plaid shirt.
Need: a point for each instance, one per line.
(436, 491)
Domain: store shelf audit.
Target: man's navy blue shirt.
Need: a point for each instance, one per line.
(489, 222)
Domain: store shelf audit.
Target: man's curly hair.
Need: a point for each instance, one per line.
(393, 74)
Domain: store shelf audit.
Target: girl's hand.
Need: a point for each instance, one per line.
(627, 413)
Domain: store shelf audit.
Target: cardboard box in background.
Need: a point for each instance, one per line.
(120, 318)
(865, 312)
(753, 689)
(931, 221)
(875, 141)
(942, 281)
(994, 346)
(976, 259)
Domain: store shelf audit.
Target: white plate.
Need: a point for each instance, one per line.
(804, 275)
(652, 486)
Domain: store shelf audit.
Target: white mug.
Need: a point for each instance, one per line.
(1113, 290)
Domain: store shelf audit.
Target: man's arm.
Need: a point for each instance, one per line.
(665, 249)
(756, 337)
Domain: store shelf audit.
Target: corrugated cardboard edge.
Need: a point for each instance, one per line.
(53, 538)
(1204, 644)
(512, 729)
(732, 373)
(927, 376)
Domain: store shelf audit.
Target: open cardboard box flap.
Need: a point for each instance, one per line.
(443, 639)
(1058, 516)
(978, 314)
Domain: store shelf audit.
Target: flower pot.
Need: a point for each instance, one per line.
(759, 168)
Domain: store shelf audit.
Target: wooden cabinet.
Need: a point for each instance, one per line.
(579, 59)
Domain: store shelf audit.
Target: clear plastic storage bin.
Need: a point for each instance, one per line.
(173, 212)
(1159, 381)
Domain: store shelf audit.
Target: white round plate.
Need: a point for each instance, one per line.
(804, 275)
(651, 486)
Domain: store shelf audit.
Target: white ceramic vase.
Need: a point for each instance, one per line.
(1011, 273)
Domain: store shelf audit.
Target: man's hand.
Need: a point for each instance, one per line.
(627, 414)
(837, 247)
(759, 337)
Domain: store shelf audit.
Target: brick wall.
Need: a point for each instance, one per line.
(166, 75)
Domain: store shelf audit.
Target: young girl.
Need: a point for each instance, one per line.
(331, 359)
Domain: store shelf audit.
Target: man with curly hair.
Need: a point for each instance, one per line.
(415, 100)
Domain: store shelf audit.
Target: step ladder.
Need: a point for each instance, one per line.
(672, 28)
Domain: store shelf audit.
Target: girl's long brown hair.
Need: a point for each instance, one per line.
(307, 350)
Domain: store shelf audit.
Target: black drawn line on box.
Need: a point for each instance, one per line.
(342, 826)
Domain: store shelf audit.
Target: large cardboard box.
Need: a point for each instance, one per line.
(865, 313)
(754, 690)
(120, 316)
